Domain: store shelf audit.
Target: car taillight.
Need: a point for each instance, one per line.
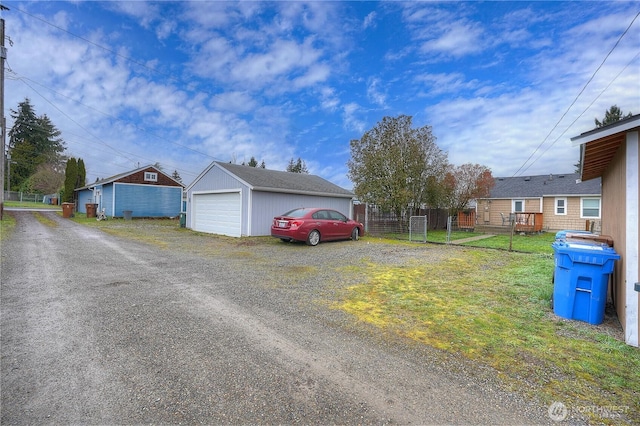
(295, 224)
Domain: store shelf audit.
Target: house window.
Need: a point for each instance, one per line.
(561, 206)
(150, 177)
(518, 206)
(590, 208)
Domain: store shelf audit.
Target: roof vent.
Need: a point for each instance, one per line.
(527, 179)
(560, 176)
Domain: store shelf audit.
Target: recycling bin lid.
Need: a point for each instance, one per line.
(561, 235)
(585, 247)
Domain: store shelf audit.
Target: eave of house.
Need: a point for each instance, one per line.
(601, 145)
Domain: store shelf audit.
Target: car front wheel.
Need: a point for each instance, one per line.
(355, 234)
(313, 238)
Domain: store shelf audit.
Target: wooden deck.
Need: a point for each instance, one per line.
(524, 222)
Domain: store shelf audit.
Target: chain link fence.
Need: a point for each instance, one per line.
(25, 197)
(378, 222)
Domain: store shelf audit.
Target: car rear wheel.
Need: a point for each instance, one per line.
(355, 234)
(313, 238)
(285, 240)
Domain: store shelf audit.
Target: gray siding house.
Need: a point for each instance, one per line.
(236, 200)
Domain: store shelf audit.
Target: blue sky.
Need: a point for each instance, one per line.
(185, 83)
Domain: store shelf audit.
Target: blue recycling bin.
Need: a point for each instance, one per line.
(581, 279)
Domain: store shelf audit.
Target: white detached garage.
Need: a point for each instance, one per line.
(235, 200)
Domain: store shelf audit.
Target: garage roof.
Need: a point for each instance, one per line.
(601, 144)
(276, 181)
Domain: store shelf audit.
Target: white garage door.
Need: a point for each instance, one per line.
(217, 213)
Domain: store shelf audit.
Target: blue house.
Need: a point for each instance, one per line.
(145, 192)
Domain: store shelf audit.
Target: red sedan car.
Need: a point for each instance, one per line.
(313, 225)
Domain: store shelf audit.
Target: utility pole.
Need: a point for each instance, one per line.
(3, 121)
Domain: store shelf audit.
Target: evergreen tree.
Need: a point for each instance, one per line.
(82, 174)
(611, 116)
(33, 141)
(70, 180)
(176, 176)
(298, 166)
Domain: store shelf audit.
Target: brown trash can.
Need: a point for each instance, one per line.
(91, 209)
(67, 210)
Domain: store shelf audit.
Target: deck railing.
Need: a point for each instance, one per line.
(528, 222)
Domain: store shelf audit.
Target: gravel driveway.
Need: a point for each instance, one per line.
(97, 329)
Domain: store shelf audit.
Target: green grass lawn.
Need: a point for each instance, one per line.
(30, 204)
(493, 307)
(530, 243)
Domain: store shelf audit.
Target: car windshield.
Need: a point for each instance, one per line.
(295, 213)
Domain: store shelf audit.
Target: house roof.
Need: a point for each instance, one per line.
(117, 177)
(567, 184)
(261, 179)
(601, 144)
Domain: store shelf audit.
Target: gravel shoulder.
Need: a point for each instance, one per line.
(105, 330)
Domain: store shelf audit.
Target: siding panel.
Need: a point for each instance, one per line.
(267, 205)
(147, 200)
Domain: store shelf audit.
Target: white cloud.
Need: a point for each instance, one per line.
(328, 99)
(373, 92)
(453, 83)
(369, 20)
(316, 74)
(455, 39)
(260, 69)
(350, 120)
(235, 101)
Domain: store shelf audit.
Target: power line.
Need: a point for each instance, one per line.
(118, 119)
(121, 153)
(577, 96)
(127, 58)
(72, 120)
(586, 109)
